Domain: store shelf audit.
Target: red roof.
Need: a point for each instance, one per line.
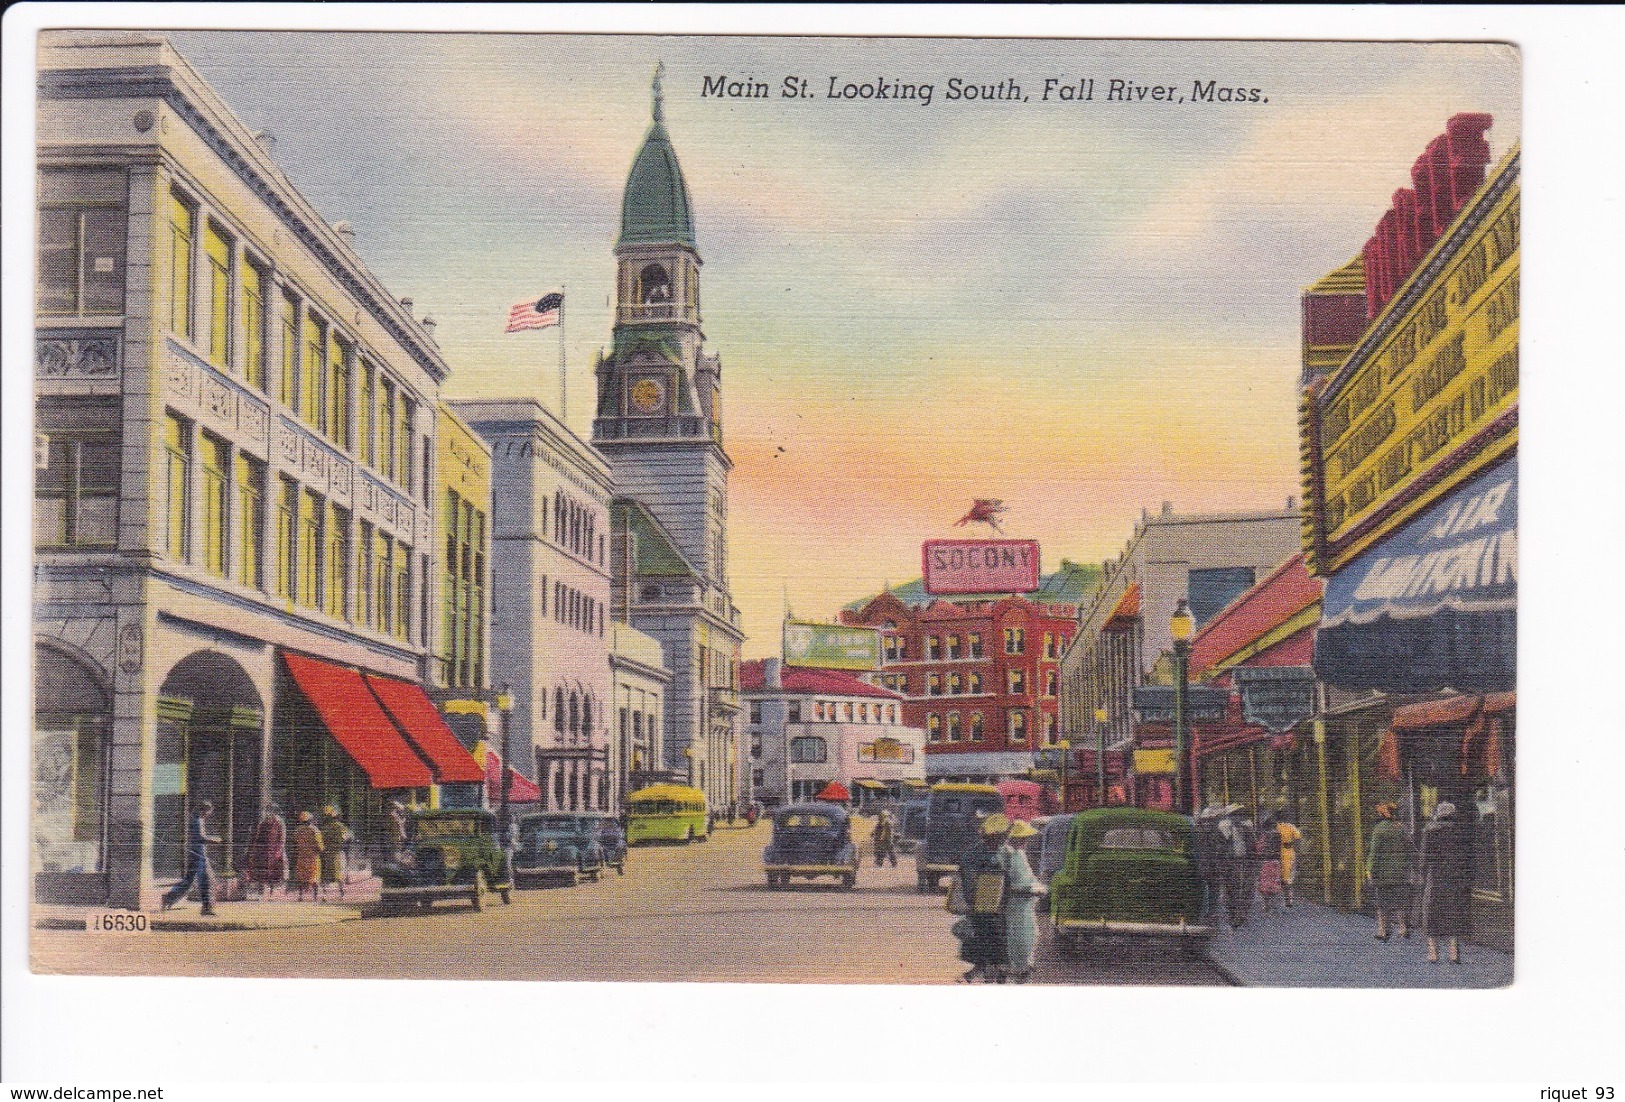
(422, 723)
(356, 722)
(808, 681)
(1263, 608)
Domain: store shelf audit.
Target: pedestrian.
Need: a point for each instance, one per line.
(397, 828)
(1388, 869)
(335, 836)
(198, 872)
(732, 812)
(1021, 894)
(1207, 846)
(1290, 836)
(1236, 857)
(1268, 850)
(307, 856)
(885, 840)
(266, 861)
(981, 877)
(1447, 875)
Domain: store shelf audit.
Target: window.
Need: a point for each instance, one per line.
(288, 323)
(846, 712)
(955, 685)
(1050, 686)
(178, 464)
(386, 429)
(933, 648)
(976, 726)
(340, 355)
(311, 513)
(863, 713)
(891, 648)
(755, 712)
(403, 465)
(933, 684)
(974, 639)
(76, 495)
(178, 264)
(286, 536)
(1018, 726)
(253, 318)
(1015, 640)
(216, 465)
(902, 648)
(755, 741)
(933, 727)
(369, 415)
(1049, 644)
(808, 749)
(81, 242)
(383, 583)
(975, 683)
(313, 375)
(1050, 728)
(365, 607)
(337, 588)
(403, 591)
(902, 683)
(793, 712)
(953, 646)
(217, 257)
(953, 727)
(1018, 682)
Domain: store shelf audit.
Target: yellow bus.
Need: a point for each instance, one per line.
(666, 813)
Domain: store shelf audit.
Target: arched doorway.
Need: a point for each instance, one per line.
(209, 741)
(73, 723)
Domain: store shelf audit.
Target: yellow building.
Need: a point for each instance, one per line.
(463, 467)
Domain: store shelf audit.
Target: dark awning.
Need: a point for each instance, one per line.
(421, 721)
(356, 722)
(1434, 605)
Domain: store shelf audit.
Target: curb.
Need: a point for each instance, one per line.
(183, 925)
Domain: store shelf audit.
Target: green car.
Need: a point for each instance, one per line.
(1128, 872)
(453, 855)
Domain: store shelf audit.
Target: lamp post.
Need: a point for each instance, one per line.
(1066, 752)
(1181, 626)
(505, 707)
(1100, 756)
(688, 753)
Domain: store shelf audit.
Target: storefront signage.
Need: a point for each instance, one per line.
(886, 750)
(980, 566)
(1431, 397)
(1203, 704)
(1276, 698)
(831, 647)
(1148, 762)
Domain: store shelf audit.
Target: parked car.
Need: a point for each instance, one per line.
(911, 825)
(1049, 847)
(811, 840)
(1128, 872)
(611, 839)
(557, 845)
(951, 824)
(454, 854)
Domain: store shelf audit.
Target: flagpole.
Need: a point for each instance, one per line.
(564, 386)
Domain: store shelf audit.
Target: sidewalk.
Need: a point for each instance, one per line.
(1311, 945)
(280, 912)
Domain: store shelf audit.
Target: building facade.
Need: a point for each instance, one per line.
(808, 727)
(659, 423)
(550, 622)
(980, 675)
(236, 473)
(639, 676)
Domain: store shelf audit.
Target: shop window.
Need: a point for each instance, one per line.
(81, 242)
(72, 721)
(76, 495)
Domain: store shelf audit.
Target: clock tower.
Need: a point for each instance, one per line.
(658, 421)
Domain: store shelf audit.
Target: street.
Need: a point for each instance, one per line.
(695, 913)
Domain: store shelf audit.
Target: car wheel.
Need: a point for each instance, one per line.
(849, 881)
(688, 836)
(575, 877)
(477, 896)
(596, 873)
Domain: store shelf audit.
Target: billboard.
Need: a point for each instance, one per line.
(980, 566)
(831, 646)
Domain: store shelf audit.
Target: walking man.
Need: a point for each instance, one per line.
(197, 861)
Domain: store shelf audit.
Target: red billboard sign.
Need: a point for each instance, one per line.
(980, 566)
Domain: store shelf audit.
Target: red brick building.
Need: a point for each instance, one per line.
(980, 674)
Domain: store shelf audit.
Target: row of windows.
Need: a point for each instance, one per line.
(829, 711)
(575, 608)
(958, 730)
(368, 583)
(952, 647)
(955, 684)
(575, 526)
(463, 597)
(573, 715)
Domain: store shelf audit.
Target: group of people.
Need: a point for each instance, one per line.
(999, 930)
(311, 860)
(1237, 861)
(1442, 869)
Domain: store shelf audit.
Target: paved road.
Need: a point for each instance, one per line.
(701, 912)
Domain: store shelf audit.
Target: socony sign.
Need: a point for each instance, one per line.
(980, 566)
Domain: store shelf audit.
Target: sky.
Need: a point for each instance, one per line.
(1084, 309)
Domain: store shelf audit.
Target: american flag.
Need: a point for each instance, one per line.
(536, 314)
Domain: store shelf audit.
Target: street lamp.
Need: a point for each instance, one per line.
(1181, 626)
(505, 707)
(1100, 756)
(688, 752)
(1066, 751)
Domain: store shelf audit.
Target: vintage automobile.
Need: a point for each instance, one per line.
(557, 845)
(454, 854)
(1128, 872)
(1049, 847)
(951, 826)
(611, 839)
(911, 825)
(811, 840)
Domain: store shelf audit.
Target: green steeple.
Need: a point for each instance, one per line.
(655, 208)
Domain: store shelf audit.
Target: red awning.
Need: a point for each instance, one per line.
(834, 792)
(521, 789)
(421, 721)
(356, 722)
(1449, 712)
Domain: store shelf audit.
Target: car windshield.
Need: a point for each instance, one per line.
(550, 826)
(1136, 837)
(802, 821)
(446, 828)
(966, 804)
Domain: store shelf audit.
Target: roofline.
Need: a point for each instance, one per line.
(508, 416)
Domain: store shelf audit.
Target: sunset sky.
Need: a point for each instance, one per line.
(1082, 309)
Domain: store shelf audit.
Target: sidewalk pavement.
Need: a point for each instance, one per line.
(1310, 945)
(281, 911)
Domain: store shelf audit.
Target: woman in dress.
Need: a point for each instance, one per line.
(307, 856)
(267, 862)
(1447, 875)
(1021, 893)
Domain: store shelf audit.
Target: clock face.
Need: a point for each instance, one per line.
(648, 395)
